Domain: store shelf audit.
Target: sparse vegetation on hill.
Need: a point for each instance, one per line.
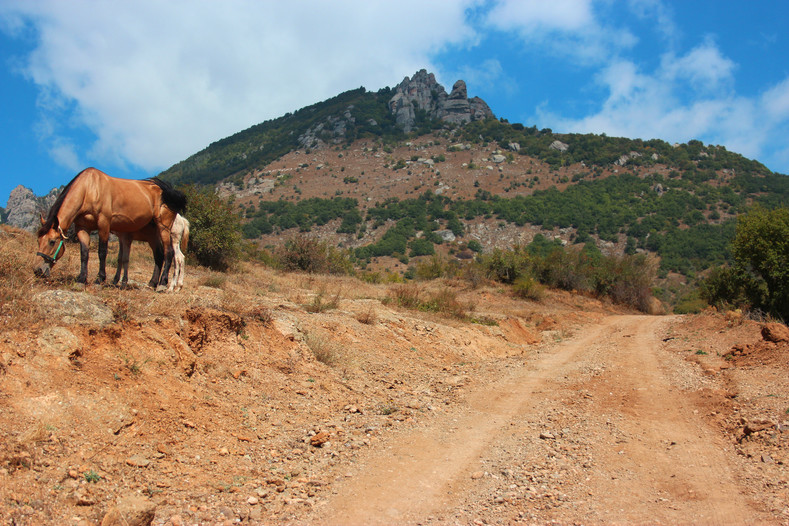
(258, 145)
(388, 194)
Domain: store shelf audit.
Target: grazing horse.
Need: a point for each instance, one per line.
(179, 235)
(95, 201)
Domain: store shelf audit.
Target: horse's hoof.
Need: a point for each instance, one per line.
(161, 288)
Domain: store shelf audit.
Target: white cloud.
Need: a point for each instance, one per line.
(567, 28)
(704, 67)
(658, 14)
(156, 81)
(657, 104)
(776, 101)
(65, 154)
(535, 16)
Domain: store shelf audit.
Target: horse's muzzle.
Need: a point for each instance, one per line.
(42, 270)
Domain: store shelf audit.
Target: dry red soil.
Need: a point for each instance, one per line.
(230, 402)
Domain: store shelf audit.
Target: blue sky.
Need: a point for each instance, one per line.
(134, 87)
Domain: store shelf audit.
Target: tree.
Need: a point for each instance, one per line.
(761, 248)
(215, 238)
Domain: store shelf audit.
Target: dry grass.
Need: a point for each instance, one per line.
(17, 283)
(262, 314)
(443, 301)
(322, 301)
(325, 351)
(368, 317)
(407, 295)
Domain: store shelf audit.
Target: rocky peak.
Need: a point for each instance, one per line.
(24, 207)
(423, 92)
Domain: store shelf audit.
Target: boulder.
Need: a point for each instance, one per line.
(775, 332)
(64, 308)
(559, 145)
(134, 510)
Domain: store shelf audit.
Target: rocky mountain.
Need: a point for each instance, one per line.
(415, 107)
(422, 92)
(24, 207)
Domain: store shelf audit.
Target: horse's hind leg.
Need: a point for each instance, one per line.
(158, 261)
(124, 250)
(168, 257)
(104, 237)
(84, 253)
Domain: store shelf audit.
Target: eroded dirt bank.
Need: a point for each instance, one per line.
(237, 404)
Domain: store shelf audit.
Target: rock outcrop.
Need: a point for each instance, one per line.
(423, 92)
(24, 207)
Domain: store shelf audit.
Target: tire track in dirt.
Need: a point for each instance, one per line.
(421, 475)
(672, 468)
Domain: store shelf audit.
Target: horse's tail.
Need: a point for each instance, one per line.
(174, 199)
(185, 235)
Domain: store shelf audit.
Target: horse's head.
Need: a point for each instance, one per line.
(51, 246)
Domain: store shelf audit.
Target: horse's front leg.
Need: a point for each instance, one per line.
(84, 253)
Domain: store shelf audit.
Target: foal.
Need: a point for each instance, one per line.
(179, 235)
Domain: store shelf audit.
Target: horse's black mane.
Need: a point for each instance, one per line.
(174, 199)
(55, 208)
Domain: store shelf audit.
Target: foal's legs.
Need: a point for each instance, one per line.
(179, 263)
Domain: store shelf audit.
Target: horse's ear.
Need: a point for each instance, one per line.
(43, 221)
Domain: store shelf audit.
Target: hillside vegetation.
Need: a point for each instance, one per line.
(381, 193)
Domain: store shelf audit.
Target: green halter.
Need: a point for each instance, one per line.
(51, 259)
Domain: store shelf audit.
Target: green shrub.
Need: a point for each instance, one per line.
(528, 288)
(725, 287)
(435, 267)
(505, 266)
(690, 304)
(305, 254)
(761, 251)
(406, 295)
(444, 301)
(215, 230)
(421, 247)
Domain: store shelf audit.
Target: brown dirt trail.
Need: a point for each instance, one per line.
(640, 454)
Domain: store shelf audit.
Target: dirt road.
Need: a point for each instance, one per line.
(594, 429)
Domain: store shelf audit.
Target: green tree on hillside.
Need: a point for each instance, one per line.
(761, 248)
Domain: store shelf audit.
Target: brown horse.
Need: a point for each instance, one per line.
(95, 201)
